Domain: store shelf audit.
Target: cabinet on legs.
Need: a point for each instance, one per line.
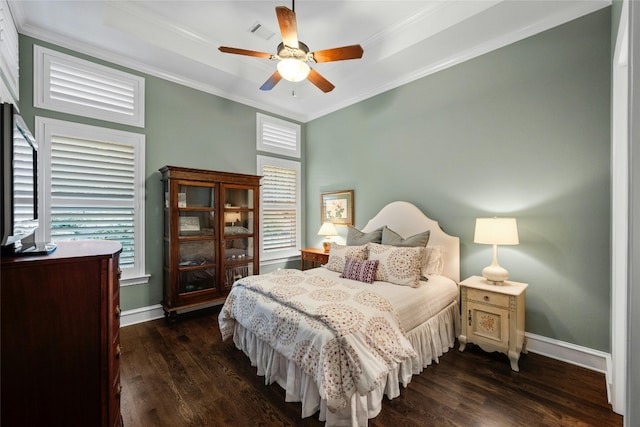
(210, 237)
(493, 316)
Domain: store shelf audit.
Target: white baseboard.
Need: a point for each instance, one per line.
(152, 312)
(142, 314)
(594, 360)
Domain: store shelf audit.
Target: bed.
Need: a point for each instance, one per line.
(339, 345)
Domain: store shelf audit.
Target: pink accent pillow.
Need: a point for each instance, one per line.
(360, 269)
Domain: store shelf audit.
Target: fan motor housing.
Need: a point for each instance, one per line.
(300, 53)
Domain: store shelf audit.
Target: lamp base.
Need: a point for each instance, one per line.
(326, 245)
(495, 273)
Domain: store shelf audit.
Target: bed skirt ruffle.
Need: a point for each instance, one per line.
(430, 340)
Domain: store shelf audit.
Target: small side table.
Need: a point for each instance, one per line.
(314, 256)
(493, 317)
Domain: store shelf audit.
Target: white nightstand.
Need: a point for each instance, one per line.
(493, 317)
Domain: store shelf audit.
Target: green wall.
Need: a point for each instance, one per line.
(523, 131)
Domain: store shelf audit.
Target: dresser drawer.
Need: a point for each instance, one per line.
(116, 395)
(487, 297)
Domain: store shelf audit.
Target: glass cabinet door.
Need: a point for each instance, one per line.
(196, 280)
(238, 251)
(196, 231)
(210, 235)
(196, 223)
(195, 196)
(238, 197)
(235, 272)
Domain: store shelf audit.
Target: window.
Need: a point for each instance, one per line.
(72, 85)
(280, 194)
(9, 56)
(277, 136)
(92, 187)
(280, 190)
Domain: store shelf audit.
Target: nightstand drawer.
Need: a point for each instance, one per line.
(315, 257)
(486, 297)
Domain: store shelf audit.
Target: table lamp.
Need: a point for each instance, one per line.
(231, 217)
(496, 231)
(328, 230)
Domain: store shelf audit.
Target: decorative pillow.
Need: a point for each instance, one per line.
(360, 270)
(338, 253)
(432, 262)
(390, 237)
(356, 237)
(399, 265)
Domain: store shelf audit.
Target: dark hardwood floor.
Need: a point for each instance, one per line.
(182, 374)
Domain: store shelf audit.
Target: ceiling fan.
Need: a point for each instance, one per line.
(293, 56)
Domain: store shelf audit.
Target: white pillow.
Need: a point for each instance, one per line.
(397, 264)
(432, 262)
(338, 253)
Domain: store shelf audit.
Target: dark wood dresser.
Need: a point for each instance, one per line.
(60, 342)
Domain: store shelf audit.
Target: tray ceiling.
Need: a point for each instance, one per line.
(402, 40)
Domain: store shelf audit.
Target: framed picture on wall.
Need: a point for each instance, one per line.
(337, 207)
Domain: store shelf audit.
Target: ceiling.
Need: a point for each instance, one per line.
(402, 40)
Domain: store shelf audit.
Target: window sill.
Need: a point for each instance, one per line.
(139, 280)
(281, 260)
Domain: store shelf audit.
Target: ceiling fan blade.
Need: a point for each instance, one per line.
(288, 26)
(271, 81)
(322, 83)
(246, 52)
(338, 53)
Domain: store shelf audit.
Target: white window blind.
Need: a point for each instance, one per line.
(280, 207)
(93, 179)
(277, 136)
(72, 85)
(92, 193)
(23, 184)
(9, 56)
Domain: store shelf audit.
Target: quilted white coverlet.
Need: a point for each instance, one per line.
(413, 305)
(345, 337)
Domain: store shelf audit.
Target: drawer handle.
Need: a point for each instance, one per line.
(119, 273)
(486, 298)
(117, 311)
(118, 351)
(469, 317)
(119, 390)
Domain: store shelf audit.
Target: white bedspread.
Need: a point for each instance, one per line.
(345, 337)
(429, 315)
(413, 305)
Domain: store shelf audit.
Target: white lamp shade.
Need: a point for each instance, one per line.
(328, 229)
(496, 231)
(293, 69)
(231, 216)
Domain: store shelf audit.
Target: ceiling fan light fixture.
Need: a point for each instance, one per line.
(293, 69)
(293, 56)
